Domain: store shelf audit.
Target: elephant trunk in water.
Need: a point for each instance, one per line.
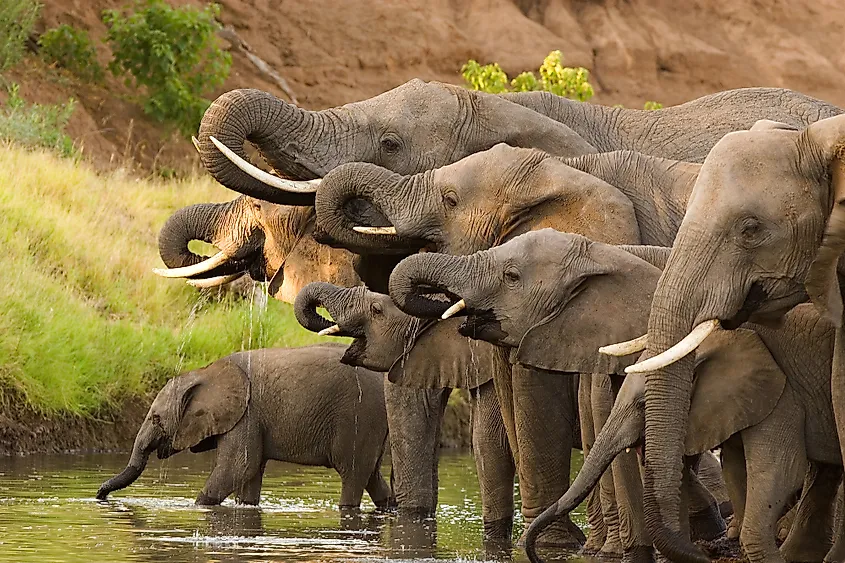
(283, 133)
(340, 302)
(418, 278)
(146, 441)
(623, 429)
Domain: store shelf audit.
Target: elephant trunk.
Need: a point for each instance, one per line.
(426, 285)
(145, 443)
(340, 302)
(282, 132)
(360, 195)
(623, 429)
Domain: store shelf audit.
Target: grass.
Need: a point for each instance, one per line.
(84, 323)
(37, 125)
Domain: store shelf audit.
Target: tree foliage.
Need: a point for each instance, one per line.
(17, 19)
(71, 48)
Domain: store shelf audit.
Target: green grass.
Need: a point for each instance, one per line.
(84, 323)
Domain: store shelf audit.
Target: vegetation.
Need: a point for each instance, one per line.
(172, 54)
(71, 48)
(36, 125)
(83, 321)
(17, 19)
(570, 82)
(653, 105)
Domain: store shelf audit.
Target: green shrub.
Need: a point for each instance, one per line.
(17, 18)
(71, 48)
(649, 105)
(570, 82)
(37, 125)
(173, 54)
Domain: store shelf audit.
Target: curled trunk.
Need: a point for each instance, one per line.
(279, 130)
(426, 285)
(340, 302)
(194, 222)
(622, 430)
(145, 442)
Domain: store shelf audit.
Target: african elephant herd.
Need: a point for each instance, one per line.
(560, 260)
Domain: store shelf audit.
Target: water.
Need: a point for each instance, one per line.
(48, 513)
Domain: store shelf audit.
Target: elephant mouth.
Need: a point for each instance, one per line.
(355, 354)
(763, 305)
(483, 325)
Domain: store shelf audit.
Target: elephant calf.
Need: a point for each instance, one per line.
(299, 405)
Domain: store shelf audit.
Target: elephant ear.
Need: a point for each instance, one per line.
(440, 357)
(612, 306)
(737, 385)
(822, 282)
(213, 401)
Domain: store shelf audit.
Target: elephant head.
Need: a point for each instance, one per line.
(764, 229)
(415, 353)
(189, 412)
(414, 127)
(478, 202)
(265, 240)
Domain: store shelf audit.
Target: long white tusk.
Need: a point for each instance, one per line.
(205, 283)
(375, 230)
(196, 143)
(459, 306)
(300, 186)
(334, 329)
(690, 342)
(625, 348)
(188, 271)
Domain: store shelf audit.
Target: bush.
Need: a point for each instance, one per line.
(37, 125)
(570, 82)
(71, 48)
(649, 105)
(173, 54)
(17, 18)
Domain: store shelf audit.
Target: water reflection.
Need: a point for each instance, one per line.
(48, 513)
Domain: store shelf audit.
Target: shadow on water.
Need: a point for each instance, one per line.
(48, 513)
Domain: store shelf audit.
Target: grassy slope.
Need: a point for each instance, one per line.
(84, 323)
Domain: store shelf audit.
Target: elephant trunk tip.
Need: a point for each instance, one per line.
(539, 524)
(675, 548)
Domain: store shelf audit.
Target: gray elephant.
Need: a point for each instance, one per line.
(763, 230)
(546, 291)
(299, 405)
(425, 354)
(420, 126)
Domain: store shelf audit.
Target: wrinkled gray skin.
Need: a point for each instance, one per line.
(429, 355)
(753, 235)
(267, 241)
(770, 387)
(299, 405)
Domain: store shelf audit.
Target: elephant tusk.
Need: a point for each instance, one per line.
(187, 271)
(689, 343)
(196, 143)
(375, 230)
(299, 186)
(334, 329)
(625, 348)
(459, 306)
(205, 283)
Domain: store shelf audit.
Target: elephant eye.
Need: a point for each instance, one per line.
(751, 229)
(391, 144)
(376, 309)
(512, 276)
(450, 199)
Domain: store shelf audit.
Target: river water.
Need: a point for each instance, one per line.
(48, 513)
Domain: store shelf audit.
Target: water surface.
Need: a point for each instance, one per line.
(48, 513)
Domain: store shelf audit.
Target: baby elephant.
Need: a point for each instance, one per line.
(299, 405)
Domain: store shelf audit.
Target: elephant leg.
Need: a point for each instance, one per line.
(705, 519)
(837, 552)
(595, 515)
(378, 489)
(811, 535)
(544, 413)
(601, 401)
(239, 459)
(250, 492)
(413, 419)
(733, 468)
(502, 381)
(711, 476)
(494, 462)
(776, 474)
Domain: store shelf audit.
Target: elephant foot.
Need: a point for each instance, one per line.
(837, 552)
(612, 548)
(707, 525)
(639, 554)
(734, 528)
(414, 513)
(593, 544)
(206, 500)
(562, 534)
(498, 530)
(805, 547)
(722, 548)
(386, 505)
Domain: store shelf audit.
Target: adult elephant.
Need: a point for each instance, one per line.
(554, 298)
(386, 339)
(764, 229)
(423, 125)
